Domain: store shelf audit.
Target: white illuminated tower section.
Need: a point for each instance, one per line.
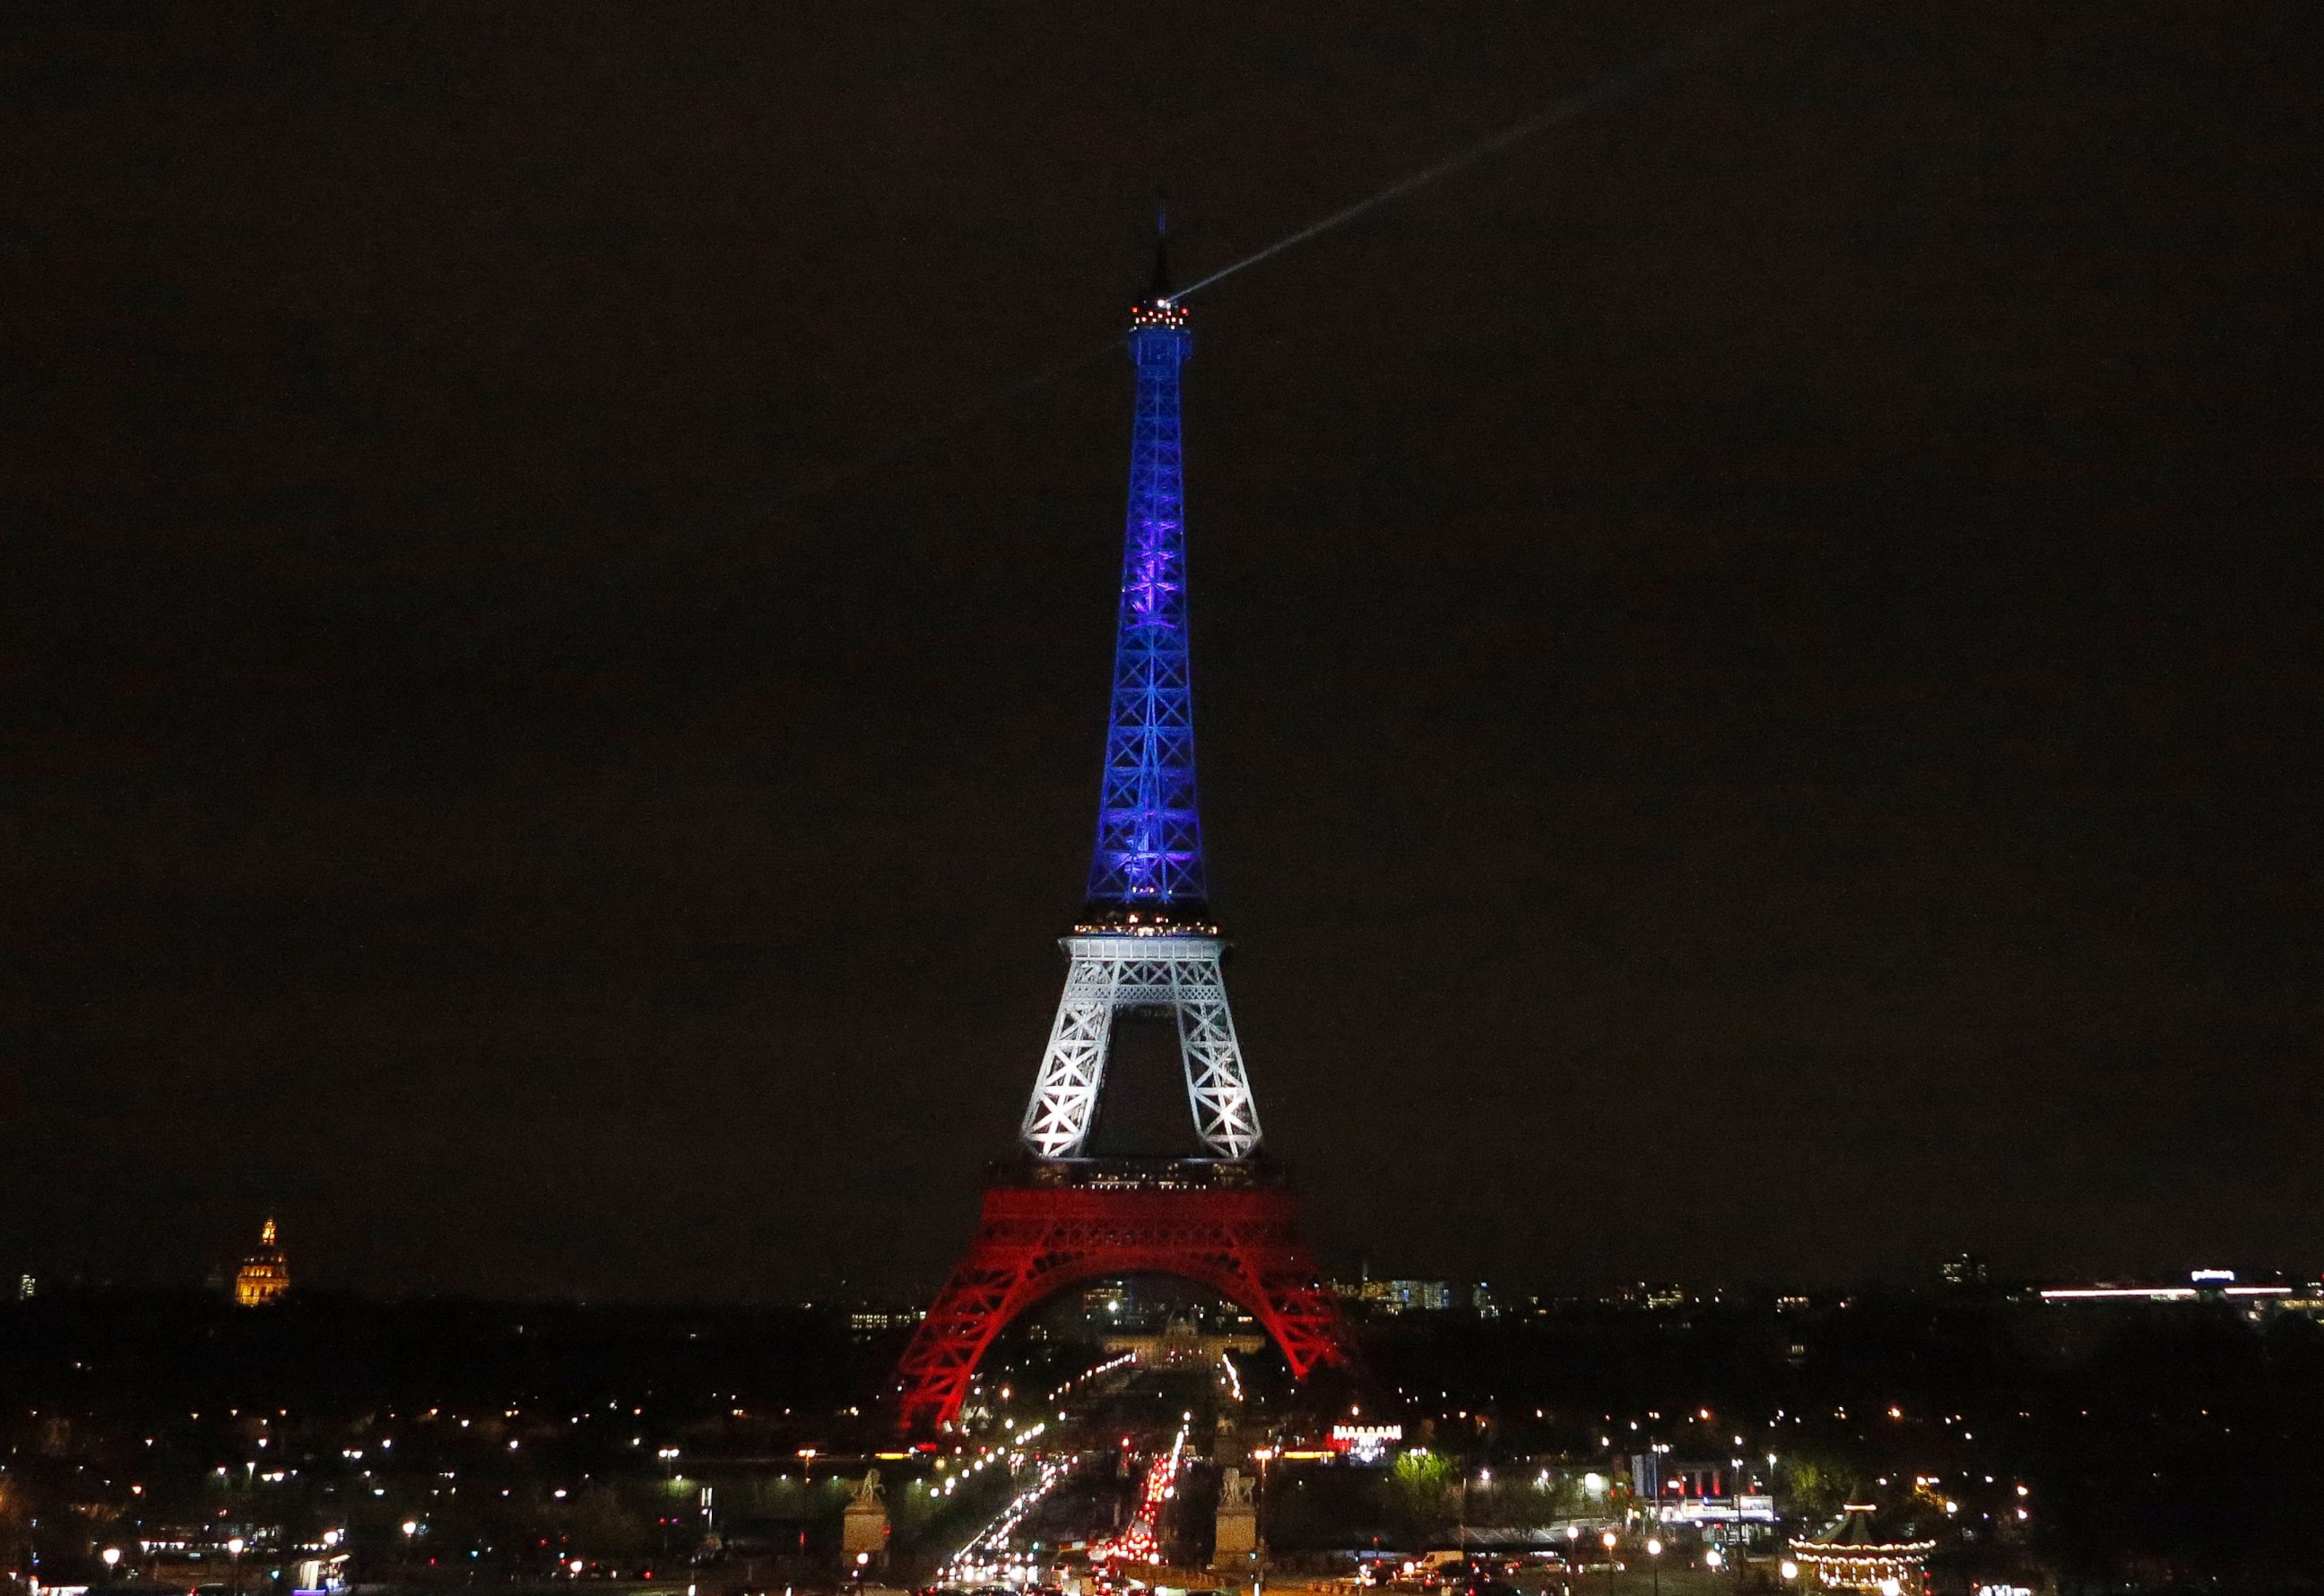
(1145, 943)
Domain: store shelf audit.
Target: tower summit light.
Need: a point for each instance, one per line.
(1143, 944)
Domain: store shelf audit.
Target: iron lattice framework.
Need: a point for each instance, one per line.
(1146, 946)
(1244, 1244)
(1173, 973)
(1149, 834)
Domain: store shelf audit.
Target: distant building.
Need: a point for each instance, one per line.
(1365, 1444)
(264, 1275)
(1647, 1294)
(1706, 1491)
(1107, 1303)
(871, 1321)
(1963, 1269)
(1396, 1297)
(1184, 1339)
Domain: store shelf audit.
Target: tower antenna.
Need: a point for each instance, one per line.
(1162, 290)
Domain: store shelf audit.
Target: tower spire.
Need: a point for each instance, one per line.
(1161, 293)
(1149, 858)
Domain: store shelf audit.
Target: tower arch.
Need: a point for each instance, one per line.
(1229, 1233)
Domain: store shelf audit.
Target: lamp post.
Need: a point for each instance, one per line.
(1741, 1480)
(1655, 1560)
(1262, 1455)
(234, 1567)
(1606, 1539)
(111, 1556)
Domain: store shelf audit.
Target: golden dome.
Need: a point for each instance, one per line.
(264, 1275)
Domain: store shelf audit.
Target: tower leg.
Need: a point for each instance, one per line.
(1034, 1242)
(1226, 1113)
(1065, 1094)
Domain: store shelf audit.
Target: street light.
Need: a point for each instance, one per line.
(233, 1568)
(111, 1556)
(1788, 1569)
(1262, 1455)
(1606, 1539)
(1655, 1557)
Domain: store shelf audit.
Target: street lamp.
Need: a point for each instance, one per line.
(233, 1567)
(1655, 1561)
(1788, 1569)
(1262, 1455)
(1606, 1540)
(111, 1556)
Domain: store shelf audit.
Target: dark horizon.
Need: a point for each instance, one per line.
(1756, 653)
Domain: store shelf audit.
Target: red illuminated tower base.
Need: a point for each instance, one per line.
(1048, 1226)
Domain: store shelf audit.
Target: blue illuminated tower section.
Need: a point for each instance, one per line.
(1149, 858)
(1145, 944)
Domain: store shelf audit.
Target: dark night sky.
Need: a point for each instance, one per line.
(1757, 653)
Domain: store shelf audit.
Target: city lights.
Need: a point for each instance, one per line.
(1137, 1543)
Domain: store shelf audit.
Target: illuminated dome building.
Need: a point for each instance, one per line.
(264, 1275)
(1859, 1551)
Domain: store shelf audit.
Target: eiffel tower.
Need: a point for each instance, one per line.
(1144, 946)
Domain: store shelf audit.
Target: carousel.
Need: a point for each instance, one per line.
(1858, 1552)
